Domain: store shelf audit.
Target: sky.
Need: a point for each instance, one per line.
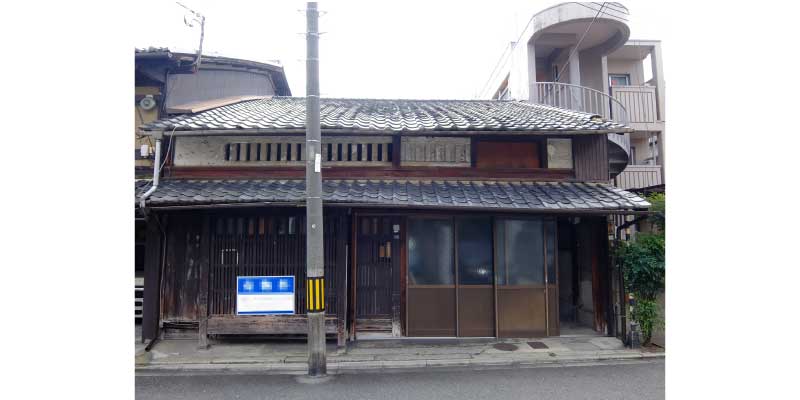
(370, 49)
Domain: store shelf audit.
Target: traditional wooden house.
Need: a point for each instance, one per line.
(443, 218)
(170, 83)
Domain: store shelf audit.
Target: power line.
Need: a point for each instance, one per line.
(574, 49)
(615, 13)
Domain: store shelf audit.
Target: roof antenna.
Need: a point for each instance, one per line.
(190, 19)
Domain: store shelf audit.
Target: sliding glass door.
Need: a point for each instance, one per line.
(481, 276)
(475, 271)
(520, 274)
(431, 292)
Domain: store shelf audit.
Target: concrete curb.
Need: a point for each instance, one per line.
(371, 366)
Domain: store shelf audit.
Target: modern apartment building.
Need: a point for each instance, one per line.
(579, 56)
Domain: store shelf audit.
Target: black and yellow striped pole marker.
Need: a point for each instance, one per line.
(315, 294)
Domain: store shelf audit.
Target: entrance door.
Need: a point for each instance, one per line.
(377, 261)
(520, 275)
(475, 276)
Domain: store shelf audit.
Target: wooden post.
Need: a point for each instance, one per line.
(395, 257)
(353, 270)
(152, 279)
(202, 290)
(340, 275)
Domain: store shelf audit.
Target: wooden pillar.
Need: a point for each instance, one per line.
(202, 290)
(152, 280)
(396, 151)
(341, 281)
(396, 325)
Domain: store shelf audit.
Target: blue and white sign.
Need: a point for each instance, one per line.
(264, 295)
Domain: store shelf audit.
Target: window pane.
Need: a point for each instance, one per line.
(524, 248)
(550, 250)
(430, 252)
(500, 252)
(475, 251)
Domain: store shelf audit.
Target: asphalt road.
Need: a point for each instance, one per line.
(640, 381)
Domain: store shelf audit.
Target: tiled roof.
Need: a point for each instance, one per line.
(289, 114)
(401, 193)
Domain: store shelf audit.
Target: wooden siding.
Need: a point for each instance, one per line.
(591, 157)
(639, 176)
(494, 155)
(272, 243)
(180, 280)
(209, 84)
(152, 277)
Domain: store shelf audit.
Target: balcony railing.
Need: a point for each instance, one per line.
(584, 99)
(639, 101)
(579, 98)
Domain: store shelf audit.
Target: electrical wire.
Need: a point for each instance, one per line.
(602, 6)
(574, 49)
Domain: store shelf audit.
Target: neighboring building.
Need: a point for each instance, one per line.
(578, 56)
(442, 218)
(171, 83)
(178, 85)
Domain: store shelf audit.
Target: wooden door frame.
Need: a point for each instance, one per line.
(397, 267)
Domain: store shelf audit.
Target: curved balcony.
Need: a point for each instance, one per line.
(588, 100)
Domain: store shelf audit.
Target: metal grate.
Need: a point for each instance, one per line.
(505, 346)
(537, 345)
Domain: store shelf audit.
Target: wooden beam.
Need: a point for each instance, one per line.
(438, 173)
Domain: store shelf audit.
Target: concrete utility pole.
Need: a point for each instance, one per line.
(315, 271)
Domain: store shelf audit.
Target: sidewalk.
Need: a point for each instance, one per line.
(287, 357)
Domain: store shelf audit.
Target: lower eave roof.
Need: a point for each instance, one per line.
(467, 194)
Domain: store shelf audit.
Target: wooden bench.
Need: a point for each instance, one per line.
(265, 325)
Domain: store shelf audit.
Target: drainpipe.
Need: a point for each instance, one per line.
(156, 171)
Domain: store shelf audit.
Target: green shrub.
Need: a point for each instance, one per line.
(646, 313)
(642, 263)
(643, 267)
(659, 207)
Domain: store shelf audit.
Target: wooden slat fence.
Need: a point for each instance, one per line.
(266, 243)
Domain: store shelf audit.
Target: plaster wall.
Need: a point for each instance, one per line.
(521, 69)
(634, 68)
(591, 71)
(142, 117)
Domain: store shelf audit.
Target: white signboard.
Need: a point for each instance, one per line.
(264, 295)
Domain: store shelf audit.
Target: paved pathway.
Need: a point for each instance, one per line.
(290, 357)
(641, 380)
